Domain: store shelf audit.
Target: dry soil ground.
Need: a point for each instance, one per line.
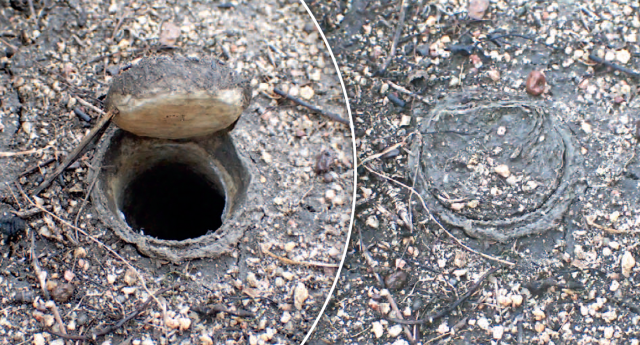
(63, 52)
(576, 283)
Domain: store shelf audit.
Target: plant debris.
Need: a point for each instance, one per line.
(477, 176)
(77, 280)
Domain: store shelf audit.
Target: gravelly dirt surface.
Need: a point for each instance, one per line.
(573, 284)
(69, 53)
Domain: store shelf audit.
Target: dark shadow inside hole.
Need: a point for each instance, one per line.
(172, 202)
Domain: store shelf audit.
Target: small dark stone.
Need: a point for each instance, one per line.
(81, 114)
(423, 50)
(396, 280)
(113, 70)
(24, 296)
(538, 287)
(462, 49)
(12, 226)
(638, 130)
(396, 100)
(23, 5)
(408, 49)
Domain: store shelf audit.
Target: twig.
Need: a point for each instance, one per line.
(606, 229)
(294, 262)
(125, 16)
(327, 114)
(424, 205)
(33, 12)
(387, 150)
(14, 48)
(405, 91)
(67, 234)
(39, 166)
(615, 66)
(396, 37)
(451, 307)
(95, 240)
(42, 276)
(22, 153)
(89, 105)
(138, 310)
(56, 314)
(86, 197)
(27, 213)
(119, 324)
(380, 154)
(74, 154)
(219, 308)
(387, 293)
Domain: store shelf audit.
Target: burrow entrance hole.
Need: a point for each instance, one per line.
(171, 201)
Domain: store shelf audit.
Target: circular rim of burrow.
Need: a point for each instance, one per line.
(545, 216)
(240, 193)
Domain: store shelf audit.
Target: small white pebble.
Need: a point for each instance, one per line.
(502, 170)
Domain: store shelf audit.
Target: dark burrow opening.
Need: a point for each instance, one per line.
(171, 201)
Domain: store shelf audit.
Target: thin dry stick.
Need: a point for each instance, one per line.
(629, 71)
(451, 307)
(67, 233)
(84, 201)
(26, 213)
(455, 239)
(439, 337)
(380, 154)
(42, 276)
(119, 324)
(95, 240)
(56, 314)
(327, 114)
(405, 91)
(604, 228)
(394, 306)
(33, 12)
(388, 149)
(74, 154)
(36, 167)
(23, 153)
(14, 48)
(294, 262)
(396, 38)
(89, 105)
